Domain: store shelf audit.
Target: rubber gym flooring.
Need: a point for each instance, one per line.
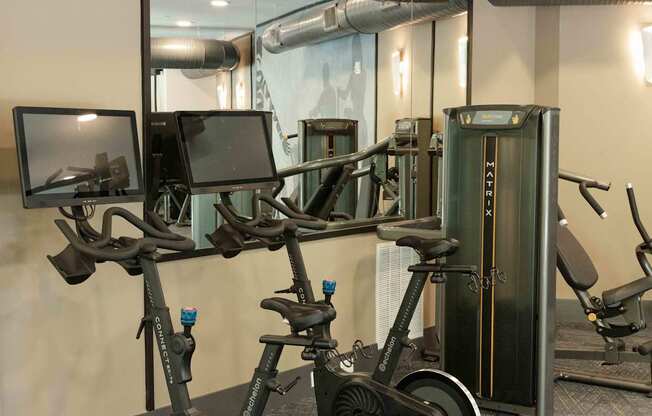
(571, 399)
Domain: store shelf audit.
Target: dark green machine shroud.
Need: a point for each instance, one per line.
(325, 139)
(491, 336)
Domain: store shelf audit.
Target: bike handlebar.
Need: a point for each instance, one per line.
(256, 231)
(585, 183)
(271, 228)
(104, 249)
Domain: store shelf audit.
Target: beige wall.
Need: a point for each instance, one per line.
(503, 54)
(242, 74)
(180, 93)
(448, 89)
(71, 350)
(416, 42)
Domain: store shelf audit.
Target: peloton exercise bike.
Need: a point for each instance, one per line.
(242, 160)
(64, 138)
(616, 315)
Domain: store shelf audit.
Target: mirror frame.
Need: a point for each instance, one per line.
(361, 226)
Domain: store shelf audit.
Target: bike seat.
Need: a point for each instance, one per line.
(429, 249)
(300, 316)
(619, 294)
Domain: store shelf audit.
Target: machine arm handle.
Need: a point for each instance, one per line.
(635, 215)
(561, 217)
(584, 190)
(578, 179)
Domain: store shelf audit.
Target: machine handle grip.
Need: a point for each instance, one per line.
(636, 217)
(561, 217)
(584, 190)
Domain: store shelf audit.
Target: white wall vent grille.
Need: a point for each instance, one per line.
(392, 279)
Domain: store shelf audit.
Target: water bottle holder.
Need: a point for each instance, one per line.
(227, 240)
(73, 266)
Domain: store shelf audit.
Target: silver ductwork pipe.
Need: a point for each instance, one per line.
(564, 2)
(337, 19)
(194, 54)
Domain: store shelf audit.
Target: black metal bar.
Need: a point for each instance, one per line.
(342, 160)
(604, 381)
(146, 111)
(469, 54)
(397, 337)
(432, 75)
(254, 245)
(162, 326)
(302, 284)
(599, 355)
(259, 387)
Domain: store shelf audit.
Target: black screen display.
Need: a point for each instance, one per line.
(77, 157)
(227, 150)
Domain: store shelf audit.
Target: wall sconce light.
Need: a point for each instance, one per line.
(399, 72)
(221, 96)
(240, 95)
(646, 34)
(462, 58)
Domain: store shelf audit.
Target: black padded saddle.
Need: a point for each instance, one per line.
(429, 249)
(300, 316)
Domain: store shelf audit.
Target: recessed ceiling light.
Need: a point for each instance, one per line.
(184, 23)
(220, 3)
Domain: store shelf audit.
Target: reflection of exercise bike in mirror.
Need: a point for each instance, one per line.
(618, 313)
(339, 393)
(384, 189)
(335, 174)
(172, 200)
(107, 176)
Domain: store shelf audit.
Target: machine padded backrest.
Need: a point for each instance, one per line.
(574, 262)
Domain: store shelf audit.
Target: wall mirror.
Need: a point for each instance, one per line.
(352, 91)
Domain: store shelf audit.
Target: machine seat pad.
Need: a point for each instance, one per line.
(300, 316)
(429, 249)
(573, 262)
(645, 349)
(619, 294)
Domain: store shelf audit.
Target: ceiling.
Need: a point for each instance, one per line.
(239, 15)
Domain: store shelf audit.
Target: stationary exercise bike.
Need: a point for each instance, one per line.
(76, 264)
(421, 393)
(619, 304)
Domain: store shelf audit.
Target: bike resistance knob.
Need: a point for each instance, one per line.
(188, 316)
(328, 287)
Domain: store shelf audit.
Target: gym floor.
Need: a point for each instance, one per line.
(571, 399)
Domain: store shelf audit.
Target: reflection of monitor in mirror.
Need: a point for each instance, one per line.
(72, 157)
(227, 151)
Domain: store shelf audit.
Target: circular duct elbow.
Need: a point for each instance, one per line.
(188, 53)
